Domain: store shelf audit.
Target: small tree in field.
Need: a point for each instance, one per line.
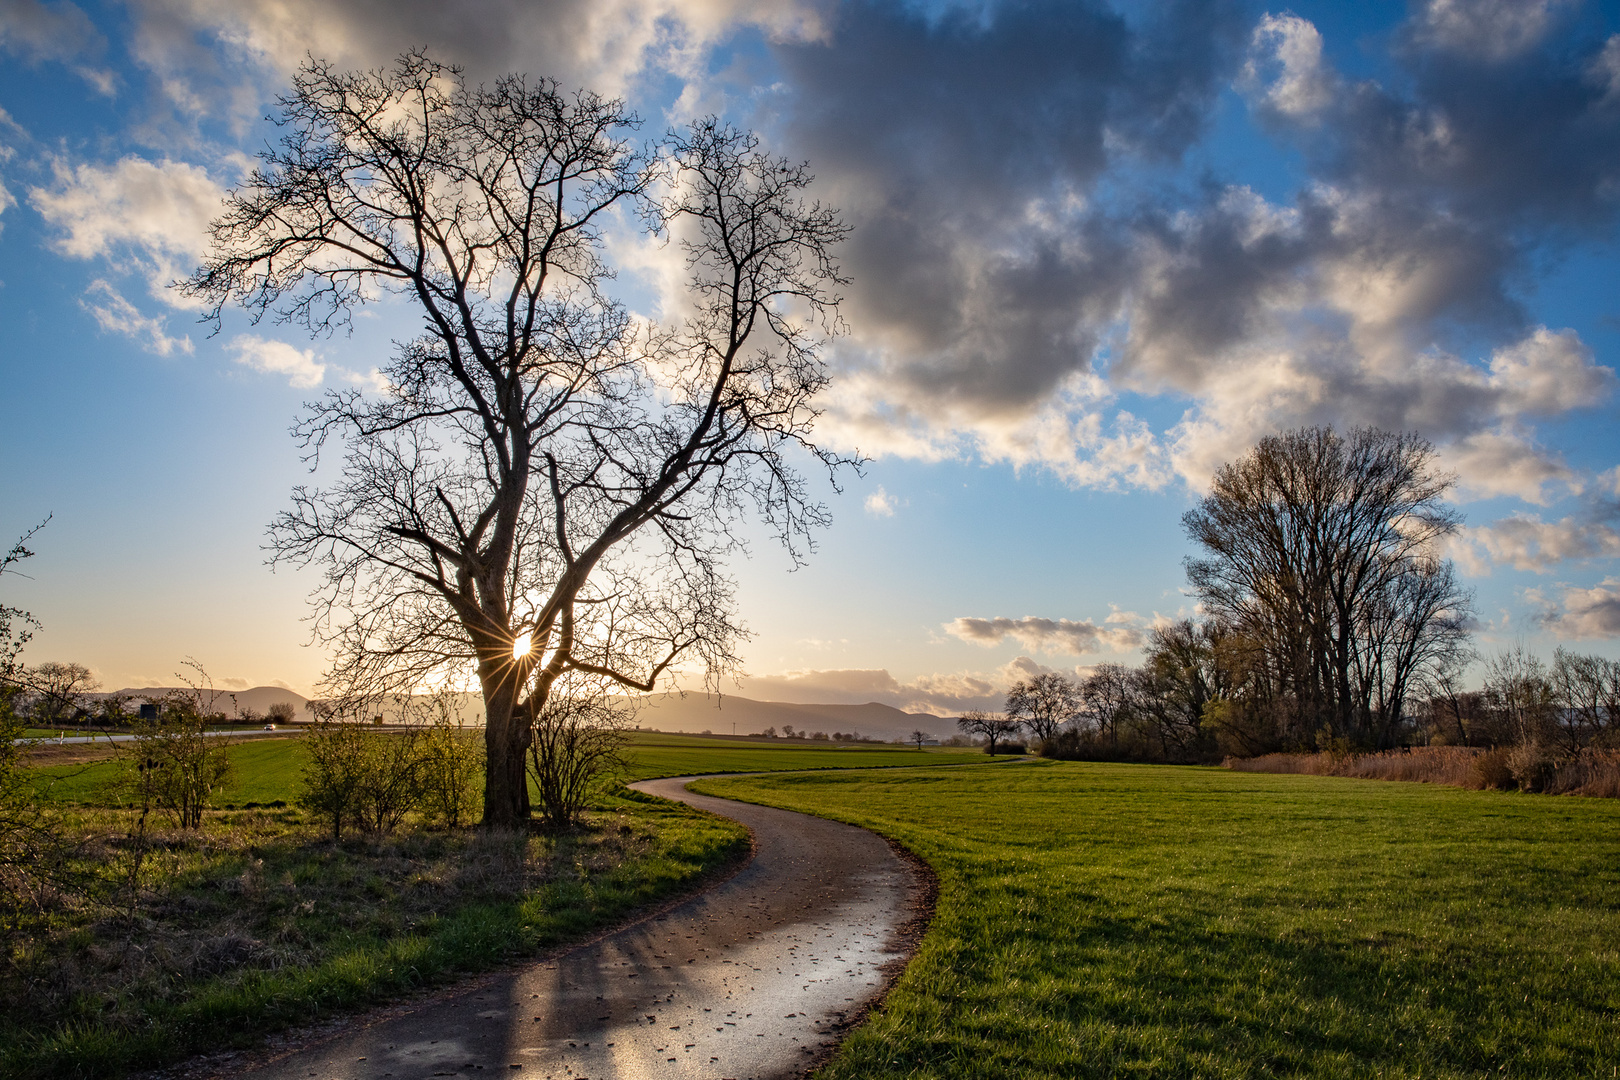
(334, 764)
(919, 737)
(173, 764)
(988, 726)
(451, 761)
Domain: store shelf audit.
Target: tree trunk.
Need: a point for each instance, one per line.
(506, 742)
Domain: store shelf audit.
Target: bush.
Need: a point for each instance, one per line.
(334, 760)
(390, 780)
(173, 765)
(1532, 765)
(1491, 770)
(577, 741)
(451, 760)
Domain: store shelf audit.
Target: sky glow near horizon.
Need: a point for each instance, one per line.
(1096, 253)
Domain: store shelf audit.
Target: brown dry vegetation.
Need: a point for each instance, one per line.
(1591, 772)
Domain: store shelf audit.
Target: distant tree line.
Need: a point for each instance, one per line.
(1331, 622)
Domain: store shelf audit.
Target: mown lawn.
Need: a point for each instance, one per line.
(1140, 921)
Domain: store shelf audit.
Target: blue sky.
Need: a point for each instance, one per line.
(1096, 253)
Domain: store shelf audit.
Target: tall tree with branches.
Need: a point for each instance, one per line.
(549, 484)
(1325, 550)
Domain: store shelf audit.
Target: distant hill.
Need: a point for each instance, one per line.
(690, 713)
(718, 713)
(230, 702)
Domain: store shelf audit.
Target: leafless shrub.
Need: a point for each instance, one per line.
(1591, 772)
(578, 736)
(450, 761)
(1491, 771)
(173, 764)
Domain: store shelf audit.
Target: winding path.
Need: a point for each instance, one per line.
(755, 978)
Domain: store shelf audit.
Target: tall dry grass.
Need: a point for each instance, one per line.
(1594, 773)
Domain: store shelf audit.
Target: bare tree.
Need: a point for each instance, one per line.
(57, 691)
(988, 726)
(919, 737)
(16, 625)
(1323, 549)
(578, 743)
(548, 485)
(1106, 699)
(173, 764)
(1044, 703)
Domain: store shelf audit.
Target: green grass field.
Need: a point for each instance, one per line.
(1141, 921)
(267, 770)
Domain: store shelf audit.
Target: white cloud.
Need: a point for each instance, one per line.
(279, 358)
(1548, 373)
(1051, 636)
(1528, 543)
(114, 314)
(151, 217)
(59, 32)
(1491, 29)
(1581, 614)
(1285, 71)
(1504, 462)
(880, 503)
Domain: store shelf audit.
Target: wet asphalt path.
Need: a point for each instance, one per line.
(755, 978)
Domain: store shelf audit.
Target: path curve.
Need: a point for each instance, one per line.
(757, 977)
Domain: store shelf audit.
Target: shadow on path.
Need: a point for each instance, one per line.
(755, 978)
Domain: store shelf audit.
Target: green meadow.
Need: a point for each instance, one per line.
(267, 770)
(1142, 921)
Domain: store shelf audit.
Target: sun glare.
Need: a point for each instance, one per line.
(520, 646)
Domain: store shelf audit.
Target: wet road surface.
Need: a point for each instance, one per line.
(756, 978)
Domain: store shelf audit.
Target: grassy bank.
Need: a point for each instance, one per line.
(1117, 920)
(258, 922)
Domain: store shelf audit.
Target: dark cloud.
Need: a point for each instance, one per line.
(967, 148)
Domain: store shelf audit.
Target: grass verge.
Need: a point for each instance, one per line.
(1142, 921)
(259, 924)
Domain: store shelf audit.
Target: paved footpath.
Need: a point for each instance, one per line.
(756, 978)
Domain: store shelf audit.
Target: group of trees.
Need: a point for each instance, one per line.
(1329, 612)
(1563, 707)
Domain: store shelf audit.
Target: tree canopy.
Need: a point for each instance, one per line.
(550, 482)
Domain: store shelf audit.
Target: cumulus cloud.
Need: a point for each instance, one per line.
(116, 315)
(1488, 29)
(279, 358)
(1528, 543)
(145, 216)
(880, 503)
(1581, 614)
(1051, 636)
(1285, 70)
(203, 50)
(59, 32)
